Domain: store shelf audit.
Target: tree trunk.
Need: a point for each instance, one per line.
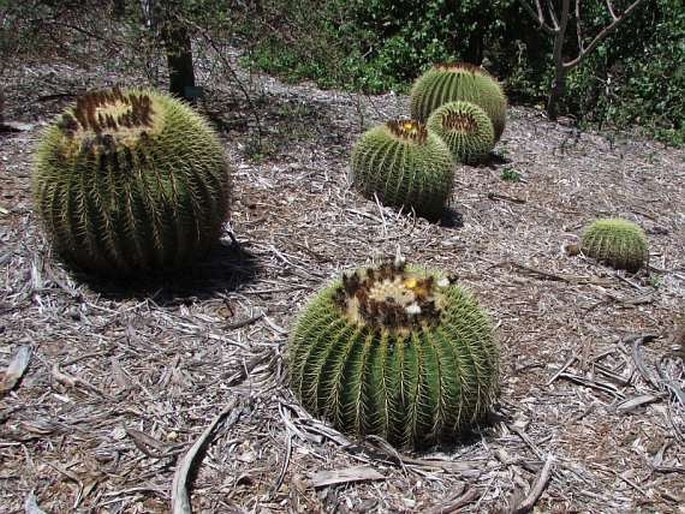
(179, 52)
(559, 83)
(179, 57)
(556, 92)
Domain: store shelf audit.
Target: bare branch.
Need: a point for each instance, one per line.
(579, 27)
(553, 15)
(538, 16)
(611, 10)
(602, 35)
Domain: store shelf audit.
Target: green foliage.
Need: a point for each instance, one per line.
(635, 76)
(466, 129)
(405, 354)
(459, 82)
(510, 175)
(617, 242)
(131, 182)
(405, 165)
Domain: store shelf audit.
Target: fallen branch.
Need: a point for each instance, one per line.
(636, 342)
(180, 496)
(499, 196)
(540, 483)
(457, 503)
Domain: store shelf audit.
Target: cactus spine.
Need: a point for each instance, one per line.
(405, 165)
(466, 129)
(131, 181)
(401, 353)
(445, 83)
(617, 242)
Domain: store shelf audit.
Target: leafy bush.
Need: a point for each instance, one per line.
(637, 75)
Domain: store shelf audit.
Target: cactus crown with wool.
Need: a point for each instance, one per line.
(445, 83)
(397, 352)
(131, 181)
(405, 164)
(466, 129)
(617, 242)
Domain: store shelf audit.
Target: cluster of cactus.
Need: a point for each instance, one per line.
(616, 242)
(398, 352)
(445, 83)
(404, 165)
(403, 162)
(131, 181)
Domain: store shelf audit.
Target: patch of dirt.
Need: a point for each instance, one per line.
(122, 382)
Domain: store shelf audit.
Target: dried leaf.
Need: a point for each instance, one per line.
(31, 505)
(16, 369)
(342, 476)
(633, 403)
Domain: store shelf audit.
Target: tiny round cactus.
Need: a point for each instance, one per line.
(466, 129)
(131, 181)
(398, 352)
(405, 165)
(445, 83)
(616, 242)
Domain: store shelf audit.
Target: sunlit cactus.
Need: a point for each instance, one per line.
(131, 181)
(616, 242)
(398, 352)
(445, 83)
(466, 129)
(405, 165)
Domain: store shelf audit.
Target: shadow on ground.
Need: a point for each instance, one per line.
(227, 267)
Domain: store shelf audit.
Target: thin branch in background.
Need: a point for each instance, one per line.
(227, 65)
(611, 10)
(553, 15)
(603, 34)
(579, 26)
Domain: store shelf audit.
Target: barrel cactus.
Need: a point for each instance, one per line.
(405, 165)
(466, 129)
(617, 242)
(131, 181)
(445, 83)
(398, 352)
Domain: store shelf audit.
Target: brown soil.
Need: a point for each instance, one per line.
(123, 380)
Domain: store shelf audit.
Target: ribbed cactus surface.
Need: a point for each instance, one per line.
(445, 83)
(404, 164)
(131, 181)
(466, 129)
(401, 353)
(617, 242)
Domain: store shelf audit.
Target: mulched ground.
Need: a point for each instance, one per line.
(122, 381)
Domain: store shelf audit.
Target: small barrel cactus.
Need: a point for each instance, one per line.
(445, 83)
(617, 242)
(398, 352)
(405, 165)
(466, 129)
(129, 182)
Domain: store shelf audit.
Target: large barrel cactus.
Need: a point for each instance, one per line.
(445, 83)
(616, 242)
(129, 182)
(466, 129)
(399, 352)
(405, 165)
